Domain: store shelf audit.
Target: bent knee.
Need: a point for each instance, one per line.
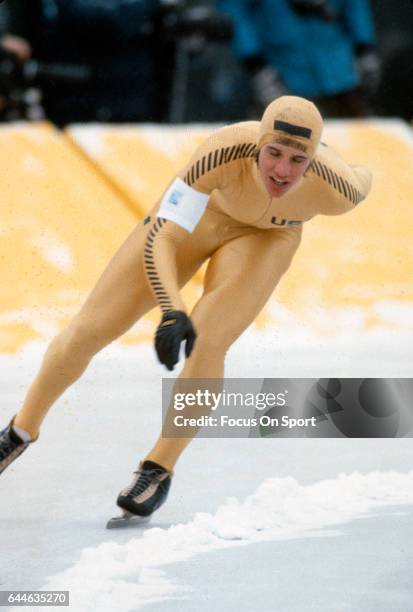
(213, 343)
(81, 339)
(217, 336)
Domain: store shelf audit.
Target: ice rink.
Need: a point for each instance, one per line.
(250, 524)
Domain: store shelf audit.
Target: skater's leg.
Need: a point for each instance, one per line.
(240, 278)
(120, 297)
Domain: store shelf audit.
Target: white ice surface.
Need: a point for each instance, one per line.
(244, 517)
(126, 577)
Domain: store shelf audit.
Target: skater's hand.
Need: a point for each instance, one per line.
(174, 328)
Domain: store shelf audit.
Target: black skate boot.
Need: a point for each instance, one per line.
(11, 446)
(146, 493)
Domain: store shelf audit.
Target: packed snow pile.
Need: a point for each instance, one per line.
(127, 577)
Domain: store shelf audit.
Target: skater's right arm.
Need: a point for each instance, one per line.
(180, 211)
(162, 273)
(214, 164)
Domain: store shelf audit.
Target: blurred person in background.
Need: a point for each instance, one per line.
(114, 46)
(16, 45)
(394, 24)
(124, 60)
(323, 50)
(13, 46)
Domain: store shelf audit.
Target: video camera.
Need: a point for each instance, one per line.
(181, 20)
(20, 84)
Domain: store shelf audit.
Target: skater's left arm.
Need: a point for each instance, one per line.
(339, 186)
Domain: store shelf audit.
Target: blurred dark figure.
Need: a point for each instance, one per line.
(101, 60)
(13, 46)
(206, 78)
(323, 50)
(17, 48)
(394, 23)
(121, 60)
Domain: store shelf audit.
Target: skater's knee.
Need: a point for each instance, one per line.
(79, 340)
(211, 344)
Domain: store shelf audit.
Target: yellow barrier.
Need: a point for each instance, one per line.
(139, 160)
(69, 200)
(59, 222)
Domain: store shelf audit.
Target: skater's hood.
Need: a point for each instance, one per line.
(292, 121)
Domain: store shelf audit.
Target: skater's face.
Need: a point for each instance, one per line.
(281, 167)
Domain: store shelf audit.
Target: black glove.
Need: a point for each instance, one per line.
(172, 330)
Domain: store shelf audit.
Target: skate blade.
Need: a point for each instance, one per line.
(127, 519)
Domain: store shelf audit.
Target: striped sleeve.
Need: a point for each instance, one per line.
(206, 169)
(159, 260)
(341, 186)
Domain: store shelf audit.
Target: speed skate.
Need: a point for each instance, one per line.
(127, 519)
(146, 493)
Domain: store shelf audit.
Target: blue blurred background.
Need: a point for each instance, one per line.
(176, 61)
